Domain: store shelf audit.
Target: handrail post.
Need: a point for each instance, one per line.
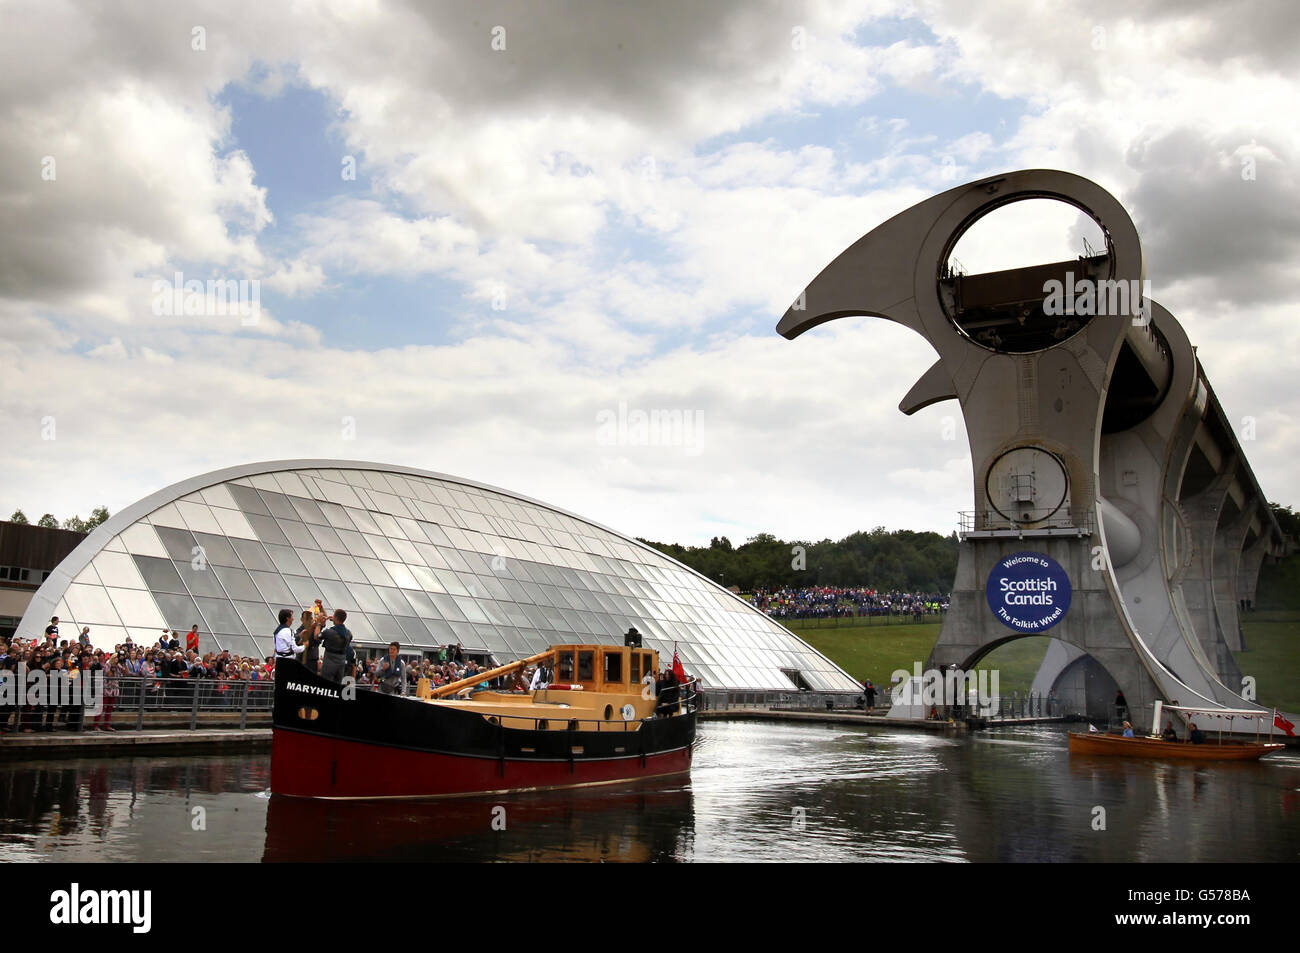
(243, 707)
(139, 717)
(194, 704)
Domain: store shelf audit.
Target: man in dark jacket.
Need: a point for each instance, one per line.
(335, 641)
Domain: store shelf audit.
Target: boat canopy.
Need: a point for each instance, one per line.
(1222, 712)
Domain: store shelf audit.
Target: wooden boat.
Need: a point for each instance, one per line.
(1210, 749)
(1097, 743)
(596, 725)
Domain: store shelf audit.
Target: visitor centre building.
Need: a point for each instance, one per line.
(420, 558)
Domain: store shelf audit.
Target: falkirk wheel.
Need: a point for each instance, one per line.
(1114, 508)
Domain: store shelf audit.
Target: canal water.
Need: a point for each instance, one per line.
(759, 791)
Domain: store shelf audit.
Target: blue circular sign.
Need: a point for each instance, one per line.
(1028, 592)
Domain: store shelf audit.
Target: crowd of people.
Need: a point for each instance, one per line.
(321, 641)
(831, 602)
(149, 669)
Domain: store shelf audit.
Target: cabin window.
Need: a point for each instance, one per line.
(647, 666)
(613, 666)
(586, 666)
(564, 667)
(636, 668)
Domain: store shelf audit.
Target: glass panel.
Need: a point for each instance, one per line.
(471, 609)
(337, 516)
(387, 524)
(290, 483)
(160, 574)
(412, 529)
(258, 617)
(118, 569)
(298, 535)
(421, 603)
(447, 607)
(366, 598)
(347, 568)
(394, 600)
(248, 499)
(280, 506)
(252, 555)
(286, 560)
(220, 615)
(274, 591)
(305, 591)
(327, 539)
(179, 542)
(375, 571)
(403, 576)
(382, 548)
(335, 594)
(355, 543)
(167, 516)
(268, 530)
(385, 626)
(318, 564)
(218, 495)
(179, 611)
(237, 583)
(413, 630)
(364, 522)
(89, 605)
(198, 517)
(406, 551)
(217, 550)
(200, 582)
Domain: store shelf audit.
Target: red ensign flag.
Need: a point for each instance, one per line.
(1280, 722)
(678, 671)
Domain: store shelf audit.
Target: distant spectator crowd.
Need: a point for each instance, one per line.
(831, 602)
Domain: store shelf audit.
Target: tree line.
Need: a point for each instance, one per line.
(902, 559)
(74, 523)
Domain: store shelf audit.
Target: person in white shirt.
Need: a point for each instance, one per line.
(285, 646)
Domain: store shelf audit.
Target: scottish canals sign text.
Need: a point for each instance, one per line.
(1028, 592)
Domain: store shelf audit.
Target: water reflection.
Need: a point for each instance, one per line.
(636, 823)
(759, 791)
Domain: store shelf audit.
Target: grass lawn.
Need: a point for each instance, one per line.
(1273, 658)
(876, 651)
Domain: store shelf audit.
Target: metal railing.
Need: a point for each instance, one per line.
(177, 701)
(1034, 522)
(810, 701)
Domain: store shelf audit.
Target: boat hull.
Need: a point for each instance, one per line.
(1119, 746)
(328, 743)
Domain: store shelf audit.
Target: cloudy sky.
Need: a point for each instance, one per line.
(481, 231)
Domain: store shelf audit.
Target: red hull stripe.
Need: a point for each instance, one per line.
(305, 765)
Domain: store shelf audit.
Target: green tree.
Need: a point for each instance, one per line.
(19, 517)
(48, 521)
(98, 515)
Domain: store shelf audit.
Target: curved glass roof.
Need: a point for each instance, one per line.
(422, 558)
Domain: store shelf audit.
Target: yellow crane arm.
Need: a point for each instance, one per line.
(452, 687)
